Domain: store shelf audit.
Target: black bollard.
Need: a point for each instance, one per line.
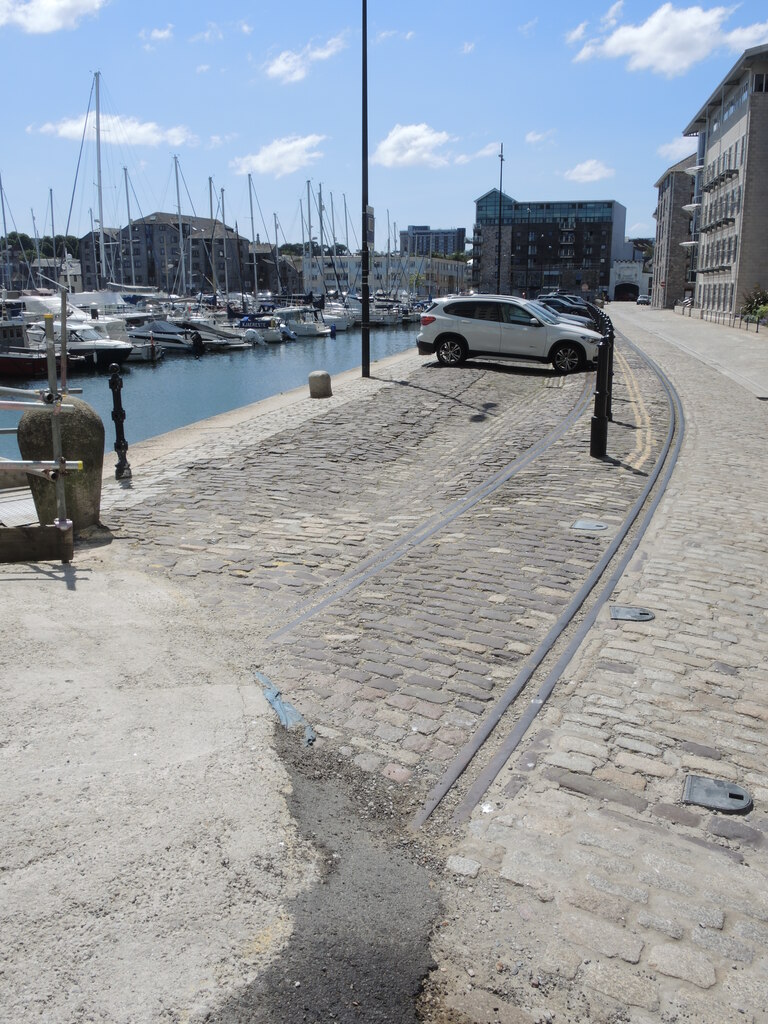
(609, 383)
(599, 431)
(122, 469)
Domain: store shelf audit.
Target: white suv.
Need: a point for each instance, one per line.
(500, 326)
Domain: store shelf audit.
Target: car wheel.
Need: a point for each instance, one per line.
(451, 350)
(567, 357)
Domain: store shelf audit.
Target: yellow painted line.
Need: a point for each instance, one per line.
(641, 452)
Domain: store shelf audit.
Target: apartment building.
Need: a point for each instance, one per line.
(422, 240)
(523, 248)
(729, 228)
(674, 263)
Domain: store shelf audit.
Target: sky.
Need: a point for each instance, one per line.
(589, 101)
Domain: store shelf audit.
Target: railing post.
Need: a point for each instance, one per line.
(122, 469)
(599, 427)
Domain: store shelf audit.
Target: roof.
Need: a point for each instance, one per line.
(679, 167)
(747, 59)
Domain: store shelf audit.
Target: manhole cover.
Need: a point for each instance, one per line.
(716, 794)
(588, 524)
(627, 613)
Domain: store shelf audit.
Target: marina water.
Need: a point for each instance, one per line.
(180, 389)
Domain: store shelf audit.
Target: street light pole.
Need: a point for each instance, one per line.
(498, 250)
(366, 325)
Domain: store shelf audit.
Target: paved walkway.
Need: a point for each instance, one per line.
(317, 540)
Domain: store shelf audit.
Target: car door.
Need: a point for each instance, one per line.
(479, 324)
(521, 333)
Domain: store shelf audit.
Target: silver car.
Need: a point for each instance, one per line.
(501, 326)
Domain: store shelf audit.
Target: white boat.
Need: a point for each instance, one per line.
(160, 332)
(304, 321)
(98, 352)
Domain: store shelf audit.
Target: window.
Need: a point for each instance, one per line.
(515, 314)
(759, 83)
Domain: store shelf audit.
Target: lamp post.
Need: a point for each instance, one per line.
(498, 249)
(366, 325)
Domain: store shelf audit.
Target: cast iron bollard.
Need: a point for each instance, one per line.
(609, 383)
(599, 431)
(122, 469)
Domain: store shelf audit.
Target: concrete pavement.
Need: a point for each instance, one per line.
(316, 542)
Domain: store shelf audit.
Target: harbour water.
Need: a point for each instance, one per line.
(180, 389)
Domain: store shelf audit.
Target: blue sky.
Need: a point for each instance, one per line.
(588, 99)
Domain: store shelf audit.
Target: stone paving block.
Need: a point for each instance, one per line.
(595, 788)
(729, 828)
(626, 987)
(646, 765)
(665, 925)
(677, 961)
(608, 939)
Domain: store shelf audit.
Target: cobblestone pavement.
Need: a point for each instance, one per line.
(391, 556)
(625, 903)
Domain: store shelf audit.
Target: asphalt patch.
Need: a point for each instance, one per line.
(360, 950)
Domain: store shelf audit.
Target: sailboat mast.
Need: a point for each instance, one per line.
(181, 229)
(7, 267)
(130, 227)
(277, 257)
(53, 236)
(322, 252)
(102, 252)
(346, 234)
(224, 229)
(308, 276)
(253, 236)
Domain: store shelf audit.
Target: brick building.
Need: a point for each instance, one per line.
(569, 245)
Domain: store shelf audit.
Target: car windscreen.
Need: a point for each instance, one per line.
(542, 312)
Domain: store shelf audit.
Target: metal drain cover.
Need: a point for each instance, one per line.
(627, 613)
(716, 794)
(588, 524)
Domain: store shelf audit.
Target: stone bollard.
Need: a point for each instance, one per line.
(82, 437)
(320, 384)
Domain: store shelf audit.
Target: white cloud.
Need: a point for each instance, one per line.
(409, 36)
(590, 170)
(293, 66)
(528, 27)
(216, 141)
(577, 33)
(156, 35)
(492, 149)
(532, 138)
(392, 33)
(120, 130)
(673, 39)
(409, 145)
(202, 68)
(611, 16)
(245, 28)
(211, 34)
(467, 47)
(41, 16)
(281, 157)
(677, 149)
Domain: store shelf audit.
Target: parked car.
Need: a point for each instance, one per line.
(565, 307)
(643, 300)
(502, 326)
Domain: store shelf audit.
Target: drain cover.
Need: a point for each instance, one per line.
(717, 794)
(588, 524)
(629, 614)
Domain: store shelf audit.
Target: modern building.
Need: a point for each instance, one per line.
(422, 240)
(674, 264)
(729, 228)
(541, 246)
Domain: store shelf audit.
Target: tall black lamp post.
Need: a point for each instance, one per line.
(366, 325)
(498, 249)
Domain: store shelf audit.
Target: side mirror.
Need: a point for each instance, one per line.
(535, 322)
